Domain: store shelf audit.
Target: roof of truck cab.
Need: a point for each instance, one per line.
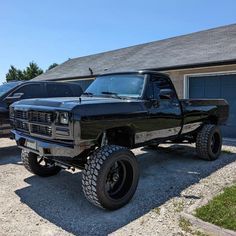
(135, 72)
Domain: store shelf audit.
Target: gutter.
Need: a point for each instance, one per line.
(196, 65)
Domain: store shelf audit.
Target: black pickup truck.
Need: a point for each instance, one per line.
(95, 132)
(18, 90)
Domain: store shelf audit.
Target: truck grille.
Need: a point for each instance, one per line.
(41, 117)
(23, 115)
(21, 125)
(35, 122)
(42, 130)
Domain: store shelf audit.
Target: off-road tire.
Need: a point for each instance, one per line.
(96, 172)
(29, 160)
(204, 147)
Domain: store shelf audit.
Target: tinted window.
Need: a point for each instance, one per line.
(7, 87)
(76, 89)
(149, 91)
(30, 91)
(59, 90)
(161, 83)
(84, 83)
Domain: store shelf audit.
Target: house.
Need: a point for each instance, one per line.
(201, 65)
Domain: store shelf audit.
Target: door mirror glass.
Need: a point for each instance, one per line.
(17, 95)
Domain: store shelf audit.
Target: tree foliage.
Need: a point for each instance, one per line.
(14, 74)
(52, 66)
(30, 72)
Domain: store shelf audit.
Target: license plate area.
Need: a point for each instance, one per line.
(31, 144)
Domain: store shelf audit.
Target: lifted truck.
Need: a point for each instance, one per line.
(95, 132)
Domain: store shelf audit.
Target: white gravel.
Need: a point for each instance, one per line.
(172, 179)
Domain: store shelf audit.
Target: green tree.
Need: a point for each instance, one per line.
(31, 71)
(14, 74)
(52, 66)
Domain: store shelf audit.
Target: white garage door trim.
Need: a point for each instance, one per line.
(187, 76)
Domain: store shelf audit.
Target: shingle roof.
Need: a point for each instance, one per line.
(214, 45)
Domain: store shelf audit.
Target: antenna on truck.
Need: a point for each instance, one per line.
(91, 71)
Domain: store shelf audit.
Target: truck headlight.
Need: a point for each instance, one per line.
(64, 118)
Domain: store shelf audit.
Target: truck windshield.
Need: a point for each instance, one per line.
(4, 88)
(119, 85)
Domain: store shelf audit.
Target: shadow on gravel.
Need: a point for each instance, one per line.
(164, 174)
(9, 155)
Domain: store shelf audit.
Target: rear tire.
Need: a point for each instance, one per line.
(39, 165)
(209, 142)
(110, 177)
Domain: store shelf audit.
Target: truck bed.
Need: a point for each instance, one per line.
(216, 107)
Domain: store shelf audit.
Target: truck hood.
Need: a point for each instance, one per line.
(83, 105)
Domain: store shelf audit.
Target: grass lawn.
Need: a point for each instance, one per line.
(221, 210)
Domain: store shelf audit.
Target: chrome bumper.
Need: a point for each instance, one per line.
(46, 148)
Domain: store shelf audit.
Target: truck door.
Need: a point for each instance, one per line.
(165, 114)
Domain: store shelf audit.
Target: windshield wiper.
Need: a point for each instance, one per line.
(112, 94)
(87, 94)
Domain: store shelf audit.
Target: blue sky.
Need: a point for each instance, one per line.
(49, 31)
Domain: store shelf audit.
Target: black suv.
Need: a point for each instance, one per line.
(15, 91)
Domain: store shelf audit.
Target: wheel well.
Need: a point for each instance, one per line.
(122, 136)
(213, 120)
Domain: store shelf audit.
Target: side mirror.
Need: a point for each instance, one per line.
(166, 94)
(15, 97)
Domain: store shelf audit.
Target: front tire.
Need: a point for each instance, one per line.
(209, 142)
(110, 177)
(39, 165)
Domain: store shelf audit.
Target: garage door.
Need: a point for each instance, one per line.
(221, 86)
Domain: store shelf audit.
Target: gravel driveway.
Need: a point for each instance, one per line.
(171, 180)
